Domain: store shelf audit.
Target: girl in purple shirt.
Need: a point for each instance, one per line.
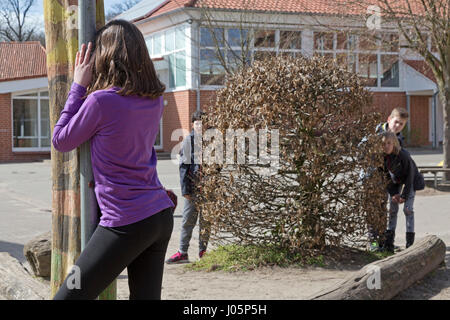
(116, 101)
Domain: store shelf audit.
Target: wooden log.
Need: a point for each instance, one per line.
(384, 279)
(16, 283)
(38, 252)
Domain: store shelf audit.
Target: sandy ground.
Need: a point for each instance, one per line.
(25, 194)
(276, 283)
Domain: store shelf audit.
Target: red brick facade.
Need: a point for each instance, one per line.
(181, 104)
(384, 102)
(177, 113)
(6, 153)
(420, 120)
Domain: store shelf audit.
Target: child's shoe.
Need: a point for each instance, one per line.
(178, 258)
(409, 239)
(373, 246)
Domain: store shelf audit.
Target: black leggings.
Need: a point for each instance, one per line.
(140, 247)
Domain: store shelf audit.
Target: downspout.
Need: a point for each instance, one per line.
(433, 119)
(197, 67)
(408, 108)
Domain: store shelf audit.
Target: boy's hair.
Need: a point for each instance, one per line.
(121, 60)
(387, 135)
(197, 115)
(400, 112)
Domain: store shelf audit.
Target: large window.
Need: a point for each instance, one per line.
(172, 45)
(231, 48)
(374, 58)
(31, 122)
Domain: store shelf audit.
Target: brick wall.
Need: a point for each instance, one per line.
(384, 102)
(207, 100)
(420, 120)
(6, 153)
(181, 104)
(177, 112)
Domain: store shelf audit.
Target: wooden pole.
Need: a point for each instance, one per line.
(61, 31)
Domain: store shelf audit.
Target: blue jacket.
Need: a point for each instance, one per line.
(189, 170)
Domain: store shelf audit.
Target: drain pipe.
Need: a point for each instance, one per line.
(89, 214)
(434, 119)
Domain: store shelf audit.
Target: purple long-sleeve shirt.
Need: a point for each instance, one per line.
(123, 130)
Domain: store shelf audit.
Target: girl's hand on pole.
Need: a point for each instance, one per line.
(83, 66)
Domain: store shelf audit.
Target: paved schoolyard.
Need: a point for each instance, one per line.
(25, 211)
(25, 198)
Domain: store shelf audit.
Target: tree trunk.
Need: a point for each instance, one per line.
(444, 94)
(384, 279)
(61, 47)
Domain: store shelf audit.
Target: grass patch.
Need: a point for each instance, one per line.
(377, 255)
(245, 258)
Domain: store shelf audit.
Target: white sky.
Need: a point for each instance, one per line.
(37, 12)
(39, 5)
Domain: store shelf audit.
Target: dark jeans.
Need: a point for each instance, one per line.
(140, 247)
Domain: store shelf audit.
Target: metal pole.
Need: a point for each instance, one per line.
(89, 214)
(88, 17)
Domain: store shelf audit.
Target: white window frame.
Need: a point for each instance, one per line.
(250, 29)
(161, 138)
(164, 54)
(356, 52)
(23, 96)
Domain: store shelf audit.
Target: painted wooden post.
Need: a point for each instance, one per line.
(61, 29)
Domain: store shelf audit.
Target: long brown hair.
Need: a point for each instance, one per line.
(390, 136)
(121, 59)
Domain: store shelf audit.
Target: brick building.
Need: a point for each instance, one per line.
(184, 47)
(184, 40)
(24, 102)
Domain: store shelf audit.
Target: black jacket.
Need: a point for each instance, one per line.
(400, 170)
(189, 170)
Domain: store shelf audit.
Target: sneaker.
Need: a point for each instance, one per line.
(373, 246)
(178, 258)
(201, 253)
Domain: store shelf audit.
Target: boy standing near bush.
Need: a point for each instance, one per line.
(189, 175)
(396, 122)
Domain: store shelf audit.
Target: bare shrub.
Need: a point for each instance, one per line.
(315, 196)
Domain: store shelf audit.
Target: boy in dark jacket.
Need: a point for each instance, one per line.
(396, 122)
(190, 170)
(401, 171)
